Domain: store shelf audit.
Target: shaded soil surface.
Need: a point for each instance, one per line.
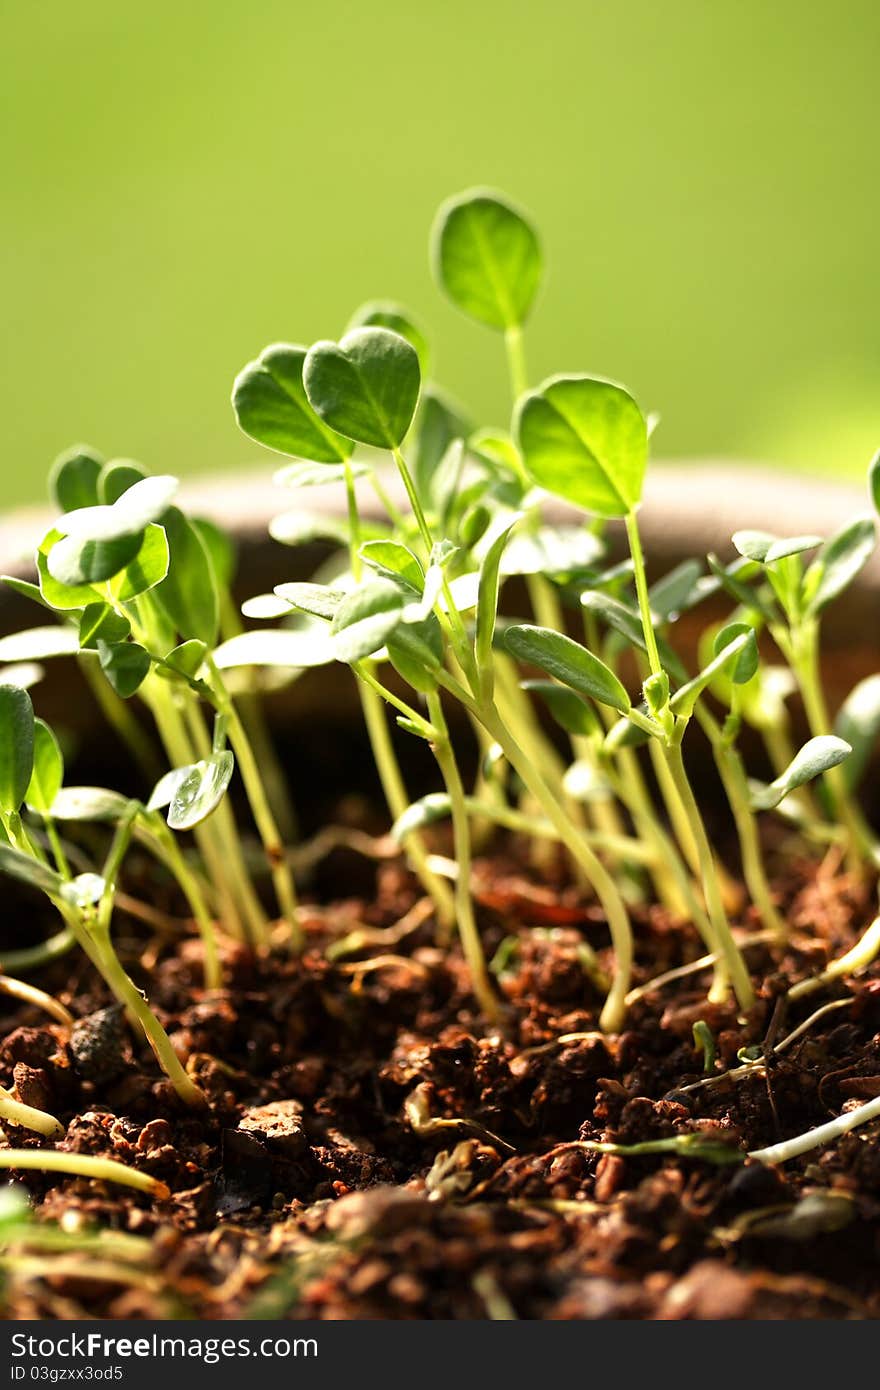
(372, 1150)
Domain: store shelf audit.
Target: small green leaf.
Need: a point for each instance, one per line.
(73, 479)
(271, 406)
(838, 562)
(584, 439)
(74, 562)
(184, 660)
(148, 568)
(816, 756)
(16, 746)
(496, 448)
(474, 525)
(568, 709)
(487, 601)
(384, 313)
(145, 502)
(394, 560)
(486, 257)
(415, 650)
(365, 619)
(727, 660)
(426, 811)
(366, 386)
(188, 593)
(746, 663)
(732, 579)
(30, 871)
(567, 661)
(315, 599)
(117, 477)
(767, 549)
(290, 648)
(858, 724)
(125, 664)
(58, 596)
(83, 891)
(199, 790)
(48, 770)
(100, 622)
(89, 804)
(39, 643)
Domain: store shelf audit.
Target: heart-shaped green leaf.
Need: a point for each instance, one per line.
(199, 790)
(585, 439)
(567, 661)
(184, 660)
(48, 770)
(16, 746)
(817, 756)
(384, 313)
(365, 619)
(366, 386)
(271, 406)
(746, 663)
(125, 664)
(55, 595)
(73, 480)
(486, 257)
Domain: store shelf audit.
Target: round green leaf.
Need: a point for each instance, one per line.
(199, 790)
(74, 562)
(567, 661)
(73, 479)
(366, 386)
(48, 770)
(125, 664)
(384, 313)
(365, 620)
(585, 440)
(117, 477)
(486, 257)
(271, 407)
(16, 746)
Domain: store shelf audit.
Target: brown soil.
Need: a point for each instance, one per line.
(320, 1184)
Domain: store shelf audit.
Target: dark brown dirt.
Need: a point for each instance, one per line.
(321, 1185)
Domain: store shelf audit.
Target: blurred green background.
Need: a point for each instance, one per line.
(184, 183)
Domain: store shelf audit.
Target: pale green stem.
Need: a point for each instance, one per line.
(83, 1166)
(516, 361)
(39, 1121)
(168, 849)
(857, 958)
(282, 877)
(724, 942)
(606, 889)
(469, 932)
